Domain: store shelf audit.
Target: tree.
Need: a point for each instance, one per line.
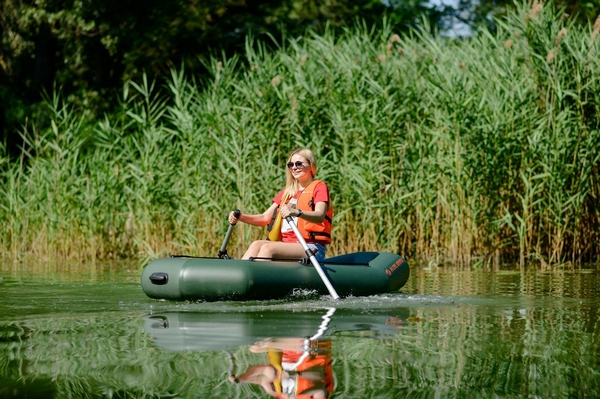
(87, 49)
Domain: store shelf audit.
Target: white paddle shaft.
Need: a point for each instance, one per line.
(313, 260)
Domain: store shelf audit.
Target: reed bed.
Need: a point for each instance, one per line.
(475, 151)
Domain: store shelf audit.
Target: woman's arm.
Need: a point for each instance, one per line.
(262, 219)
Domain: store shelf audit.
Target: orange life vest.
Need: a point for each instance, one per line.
(319, 232)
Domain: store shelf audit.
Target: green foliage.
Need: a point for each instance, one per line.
(89, 49)
(475, 151)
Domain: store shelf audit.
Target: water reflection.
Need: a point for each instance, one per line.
(288, 354)
(449, 334)
(297, 367)
(194, 331)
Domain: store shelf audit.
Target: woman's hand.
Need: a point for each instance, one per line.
(286, 211)
(232, 218)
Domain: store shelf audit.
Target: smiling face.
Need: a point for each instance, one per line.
(300, 170)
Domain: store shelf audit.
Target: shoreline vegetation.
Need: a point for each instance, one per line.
(477, 151)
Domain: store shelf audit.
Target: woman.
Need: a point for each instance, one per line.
(303, 198)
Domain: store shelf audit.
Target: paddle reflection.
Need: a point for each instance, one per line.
(297, 367)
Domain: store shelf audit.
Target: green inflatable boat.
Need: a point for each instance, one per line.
(215, 279)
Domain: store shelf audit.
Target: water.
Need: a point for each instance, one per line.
(92, 333)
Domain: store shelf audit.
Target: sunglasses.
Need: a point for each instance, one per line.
(297, 164)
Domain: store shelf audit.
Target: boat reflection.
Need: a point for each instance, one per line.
(297, 344)
(191, 331)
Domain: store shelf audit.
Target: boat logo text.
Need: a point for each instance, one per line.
(392, 268)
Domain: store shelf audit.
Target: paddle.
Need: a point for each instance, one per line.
(312, 258)
(223, 251)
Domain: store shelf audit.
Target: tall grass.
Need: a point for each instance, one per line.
(474, 151)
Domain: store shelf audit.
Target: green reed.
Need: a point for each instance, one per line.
(472, 151)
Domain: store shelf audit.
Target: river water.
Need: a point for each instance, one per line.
(90, 332)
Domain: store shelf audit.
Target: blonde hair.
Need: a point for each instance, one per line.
(292, 185)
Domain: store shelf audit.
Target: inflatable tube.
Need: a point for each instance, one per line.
(213, 279)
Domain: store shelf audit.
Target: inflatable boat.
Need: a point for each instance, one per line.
(215, 279)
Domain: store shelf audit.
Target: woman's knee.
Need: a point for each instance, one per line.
(266, 250)
(255, 245)
(253, 249)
